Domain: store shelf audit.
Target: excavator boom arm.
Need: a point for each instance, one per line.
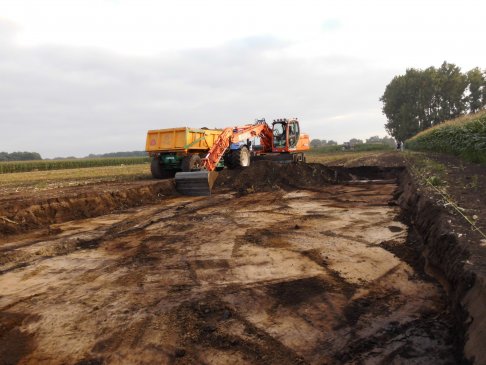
(235, 135)
(200, 182)
(218, 149)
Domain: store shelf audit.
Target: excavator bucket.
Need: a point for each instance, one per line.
(195, 183)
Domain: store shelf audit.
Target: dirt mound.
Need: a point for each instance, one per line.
(268, 176)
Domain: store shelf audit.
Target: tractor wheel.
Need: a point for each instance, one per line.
(228, 160)
(241, 157)
(191, 162)
(158, 171)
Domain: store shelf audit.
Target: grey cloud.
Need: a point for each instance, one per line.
(62, 101)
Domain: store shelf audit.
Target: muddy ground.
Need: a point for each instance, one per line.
(313, 272)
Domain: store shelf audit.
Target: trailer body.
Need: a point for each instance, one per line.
(178, 149)
(180, 140)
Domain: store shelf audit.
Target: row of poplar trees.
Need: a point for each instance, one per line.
(423, 98)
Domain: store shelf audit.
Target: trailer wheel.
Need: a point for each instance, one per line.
(191, 162)
(240, 157)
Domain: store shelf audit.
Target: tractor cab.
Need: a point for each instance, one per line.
(285, 134)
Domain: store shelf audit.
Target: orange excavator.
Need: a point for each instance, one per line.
(283, 142)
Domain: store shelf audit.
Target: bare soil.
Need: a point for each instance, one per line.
(466, 184)
(281, 267)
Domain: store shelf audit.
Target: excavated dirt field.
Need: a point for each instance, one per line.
(281, 266)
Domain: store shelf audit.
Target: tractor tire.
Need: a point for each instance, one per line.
(240, 158)
(158, 171)
(228, 160)
(191, 162)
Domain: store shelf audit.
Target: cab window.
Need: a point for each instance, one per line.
(279, 130)
(293, 134)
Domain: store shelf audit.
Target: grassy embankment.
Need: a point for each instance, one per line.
(464, 137)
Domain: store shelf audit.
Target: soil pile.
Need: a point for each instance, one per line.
(268, 176)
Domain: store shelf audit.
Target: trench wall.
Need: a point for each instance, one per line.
(455, 260)
(23, 215)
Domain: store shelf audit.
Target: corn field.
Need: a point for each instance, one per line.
(464, 137)
(45, 165)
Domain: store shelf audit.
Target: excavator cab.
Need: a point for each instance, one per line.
(285, 134)
(279, 134)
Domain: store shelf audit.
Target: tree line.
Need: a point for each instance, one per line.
(19, 156)
(421, 99)
(119, 154)
(316, 143)
(30, 156)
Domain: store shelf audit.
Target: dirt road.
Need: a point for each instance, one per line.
(319, 276)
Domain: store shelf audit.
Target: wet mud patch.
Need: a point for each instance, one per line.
(291, 293)
(264, 238)
(209, 327)
(212, 264)
(410, 252)
(339, 284)
(395, 228)
(403, 343)
(15, 343)
(375, 303)
(91, 361)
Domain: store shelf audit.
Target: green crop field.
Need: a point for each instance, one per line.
(363, 147)
(47, 165)
(464, 137)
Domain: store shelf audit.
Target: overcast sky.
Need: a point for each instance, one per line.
(92, 76)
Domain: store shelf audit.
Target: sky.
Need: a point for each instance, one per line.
(92, 76)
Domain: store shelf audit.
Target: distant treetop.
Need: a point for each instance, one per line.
(19, 156)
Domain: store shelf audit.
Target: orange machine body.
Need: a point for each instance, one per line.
(283, 138)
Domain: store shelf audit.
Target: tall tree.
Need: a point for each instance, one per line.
(484, 88)
(476, 84)
(400, 104)
(423, 98)
(451, 86)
